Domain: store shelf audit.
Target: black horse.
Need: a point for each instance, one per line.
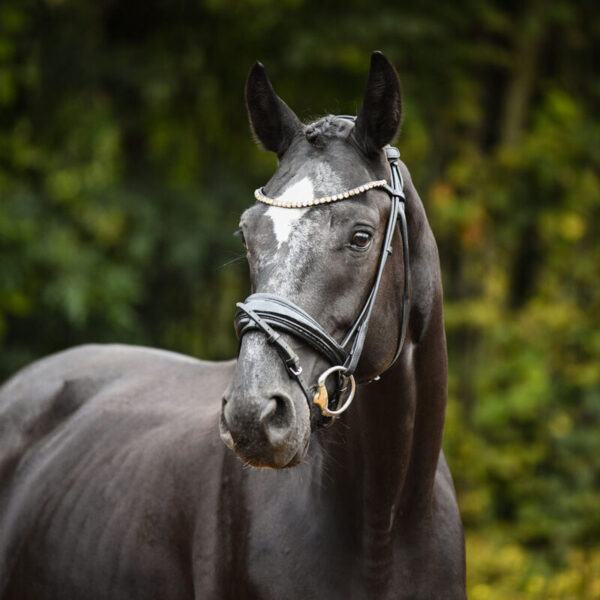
(114, 483)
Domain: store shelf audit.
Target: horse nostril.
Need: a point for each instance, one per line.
(269, 410)
(277, 417)
(224, 426)
(224, 408)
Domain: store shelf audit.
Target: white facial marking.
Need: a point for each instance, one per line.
(298, 192)
(291, 229)
(284, 221)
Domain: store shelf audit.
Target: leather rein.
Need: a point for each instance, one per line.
(273, 315)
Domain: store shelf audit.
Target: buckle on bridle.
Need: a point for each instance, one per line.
(293, 367)
(321, 396)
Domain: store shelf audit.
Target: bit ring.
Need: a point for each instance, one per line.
(321, 397)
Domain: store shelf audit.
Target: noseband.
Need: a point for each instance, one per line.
(272, 314)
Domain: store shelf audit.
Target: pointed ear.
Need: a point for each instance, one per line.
(273, 122)
(381, 110)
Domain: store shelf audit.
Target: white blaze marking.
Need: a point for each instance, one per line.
(297, 193)
(285, 219)
(288, 227)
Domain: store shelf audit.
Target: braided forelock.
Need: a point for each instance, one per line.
(324, 129)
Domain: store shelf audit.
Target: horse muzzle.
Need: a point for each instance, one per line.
(264, 419)
(265, 434)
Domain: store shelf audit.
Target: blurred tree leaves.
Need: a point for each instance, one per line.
(126, 159)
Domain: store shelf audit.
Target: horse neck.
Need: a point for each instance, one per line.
(391, 439)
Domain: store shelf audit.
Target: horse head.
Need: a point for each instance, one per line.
(316, 242)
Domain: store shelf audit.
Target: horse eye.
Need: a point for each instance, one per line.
(361, 239)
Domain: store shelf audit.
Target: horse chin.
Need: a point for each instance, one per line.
(263, 455)
(276, 461)
(298, 457)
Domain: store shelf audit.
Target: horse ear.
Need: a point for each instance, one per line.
(381, 110)
(273, 122)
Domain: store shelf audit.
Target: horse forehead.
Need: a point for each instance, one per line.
(325, 179)
(285, 220)
(307, 178)
(297, 233)
(294, 245)
(311, 180)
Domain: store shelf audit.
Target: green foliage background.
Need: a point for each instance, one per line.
(125, 160)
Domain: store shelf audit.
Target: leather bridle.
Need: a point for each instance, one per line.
(272, 315)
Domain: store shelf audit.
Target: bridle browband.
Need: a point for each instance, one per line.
(273, 314)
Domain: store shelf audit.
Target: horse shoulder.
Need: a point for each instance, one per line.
(128, 434)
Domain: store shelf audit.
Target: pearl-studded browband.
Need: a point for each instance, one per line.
(259, 195)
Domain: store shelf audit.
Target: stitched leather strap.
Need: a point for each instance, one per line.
(284, 315)
(289, 357)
